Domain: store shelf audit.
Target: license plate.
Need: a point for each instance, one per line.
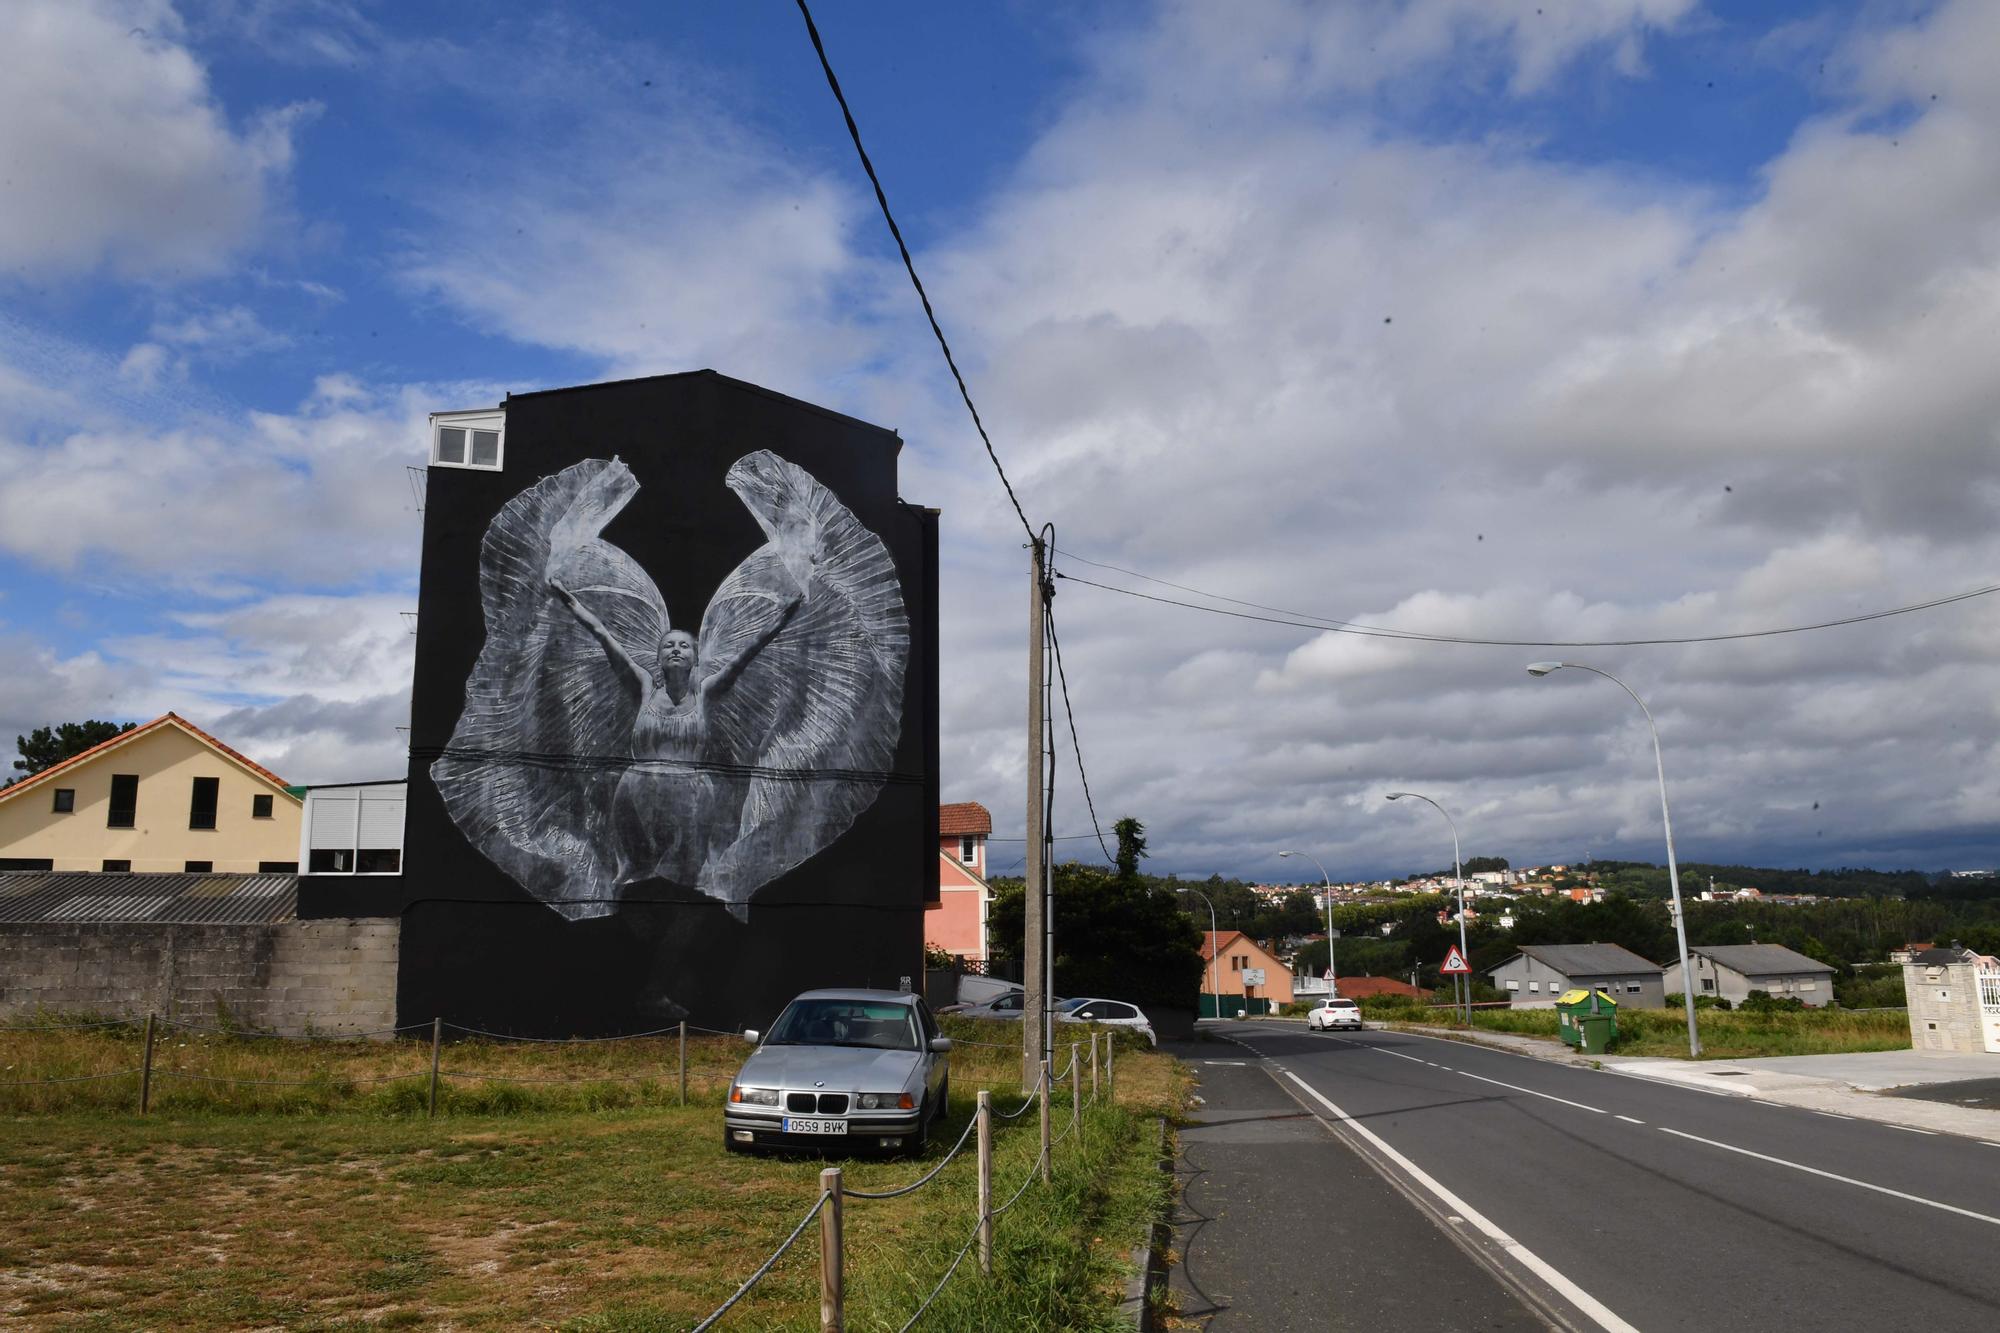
(795, 1126)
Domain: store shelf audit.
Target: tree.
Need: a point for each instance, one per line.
(1123, 940)
(45, 747)
(1131, 848)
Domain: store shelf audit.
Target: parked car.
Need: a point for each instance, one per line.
(1007, 1005)
(857, 1069)
(1110, 1013)
(1330, 1014)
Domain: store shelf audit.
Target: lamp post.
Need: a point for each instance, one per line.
(1458, 875)
(1332, 977)
(1667, 819)
(1214, 948)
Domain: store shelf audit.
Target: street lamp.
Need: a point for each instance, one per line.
(1666, 818)
(1214, 948)
(1332, 977)
(1458, 875)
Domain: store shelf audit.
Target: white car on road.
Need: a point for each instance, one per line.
(1331, 1014)
(1109, 1013)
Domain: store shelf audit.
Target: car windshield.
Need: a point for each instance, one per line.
(882, 1026)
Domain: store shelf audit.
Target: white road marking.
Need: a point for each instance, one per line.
(1829, 1175)
(1831, 1116)
(1228, 1064)
(1589, 1305)
(1630, 1121)
(1908, 1130)
(1532, 1093)
(1398, 1054)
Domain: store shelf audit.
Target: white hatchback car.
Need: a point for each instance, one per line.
(1331, 1014)
(1109, 1013)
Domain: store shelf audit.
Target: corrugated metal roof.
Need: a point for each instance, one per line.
(1754, 960)
(1588, 960)
(190, 900)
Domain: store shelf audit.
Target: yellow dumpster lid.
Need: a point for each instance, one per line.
(1579, 995)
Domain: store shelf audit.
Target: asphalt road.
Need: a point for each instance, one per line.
(1627, 1203)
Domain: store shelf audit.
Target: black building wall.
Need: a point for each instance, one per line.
(477, 947)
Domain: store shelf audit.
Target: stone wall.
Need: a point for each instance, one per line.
(331, 976)
(1944, 1007)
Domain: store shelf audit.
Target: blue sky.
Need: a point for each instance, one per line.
(1574, 320)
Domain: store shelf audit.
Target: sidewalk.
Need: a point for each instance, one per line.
(1848, 1085)
(1279, 1227)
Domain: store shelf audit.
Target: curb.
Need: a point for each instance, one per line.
(1149, 1257)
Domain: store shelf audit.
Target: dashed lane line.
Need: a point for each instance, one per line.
(1831, 1175)
(1910, 1129)
(1592, 1308)
(1630, 1120)
(1831, 1116)
(1546, 1096)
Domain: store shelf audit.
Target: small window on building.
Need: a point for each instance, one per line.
(120, 867)
(19, 863)
(65, 800)
(1708, 983)
(968, 851)
(1930, 1027)
(124, 801)
(260, 806)
(468, 439)
(277, 867)
(1535, 986)
(201, 809)
(1944, 995)
(331, 861)
(1808, 985)
(1632, 989)
(199, 868)
(1513, 985)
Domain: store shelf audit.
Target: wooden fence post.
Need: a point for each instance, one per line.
(437, 1044)
(986, 1182)
(1048, 1094)
(1075, 1088)
(1111, 1065)
(684, 1062)
(146, 1070)
(1093, 1066)
(832, 1319)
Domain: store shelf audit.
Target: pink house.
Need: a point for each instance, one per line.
(956, 922)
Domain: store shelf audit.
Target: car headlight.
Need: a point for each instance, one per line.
(754, 1096)
(883, 1101)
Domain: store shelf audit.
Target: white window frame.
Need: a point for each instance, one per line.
(968, 850)
(1513, 984)
(493, 419)
(381, 793)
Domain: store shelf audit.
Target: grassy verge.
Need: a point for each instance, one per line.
(319, 1199)
(1725, 1035)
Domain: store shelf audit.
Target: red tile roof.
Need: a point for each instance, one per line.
(1355, 988)
(964, 819)
(126, 736)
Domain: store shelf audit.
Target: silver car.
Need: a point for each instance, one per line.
(844, 1069)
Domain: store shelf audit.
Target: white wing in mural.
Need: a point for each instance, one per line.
(599, 747)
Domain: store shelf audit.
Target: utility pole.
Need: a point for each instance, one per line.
(1035, 1003)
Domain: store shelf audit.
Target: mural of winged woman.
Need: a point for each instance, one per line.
(601, 746)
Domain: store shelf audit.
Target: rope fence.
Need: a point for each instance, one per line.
(833, 1191)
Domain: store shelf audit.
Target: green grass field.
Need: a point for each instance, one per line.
(319, 1199)
(1725, 1034)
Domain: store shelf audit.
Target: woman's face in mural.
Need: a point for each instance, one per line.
(677, 655)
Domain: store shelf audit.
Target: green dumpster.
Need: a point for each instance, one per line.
(1588, 1020)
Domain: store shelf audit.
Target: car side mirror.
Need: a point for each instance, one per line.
(940, 1044)
(750, 1035)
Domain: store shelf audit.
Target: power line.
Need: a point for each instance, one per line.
(1305, 620)
(1076, 746)
(909, 266)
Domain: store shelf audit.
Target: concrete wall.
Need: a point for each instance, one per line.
(333, 976)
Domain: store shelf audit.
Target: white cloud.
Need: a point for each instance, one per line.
(115, 151)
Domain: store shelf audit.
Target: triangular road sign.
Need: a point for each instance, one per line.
(1454, 962)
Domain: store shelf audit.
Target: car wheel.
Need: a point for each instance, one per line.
(921, 1139)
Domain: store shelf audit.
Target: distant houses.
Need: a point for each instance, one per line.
(1731, 971)
(1539, 973)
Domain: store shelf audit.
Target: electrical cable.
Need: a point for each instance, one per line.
(1076, 745)
(1304, 620)
(910, 267)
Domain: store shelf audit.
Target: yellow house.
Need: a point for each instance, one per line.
(166, 796)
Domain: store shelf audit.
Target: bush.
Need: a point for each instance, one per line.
(1677, 1002)
(1763, 1002)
